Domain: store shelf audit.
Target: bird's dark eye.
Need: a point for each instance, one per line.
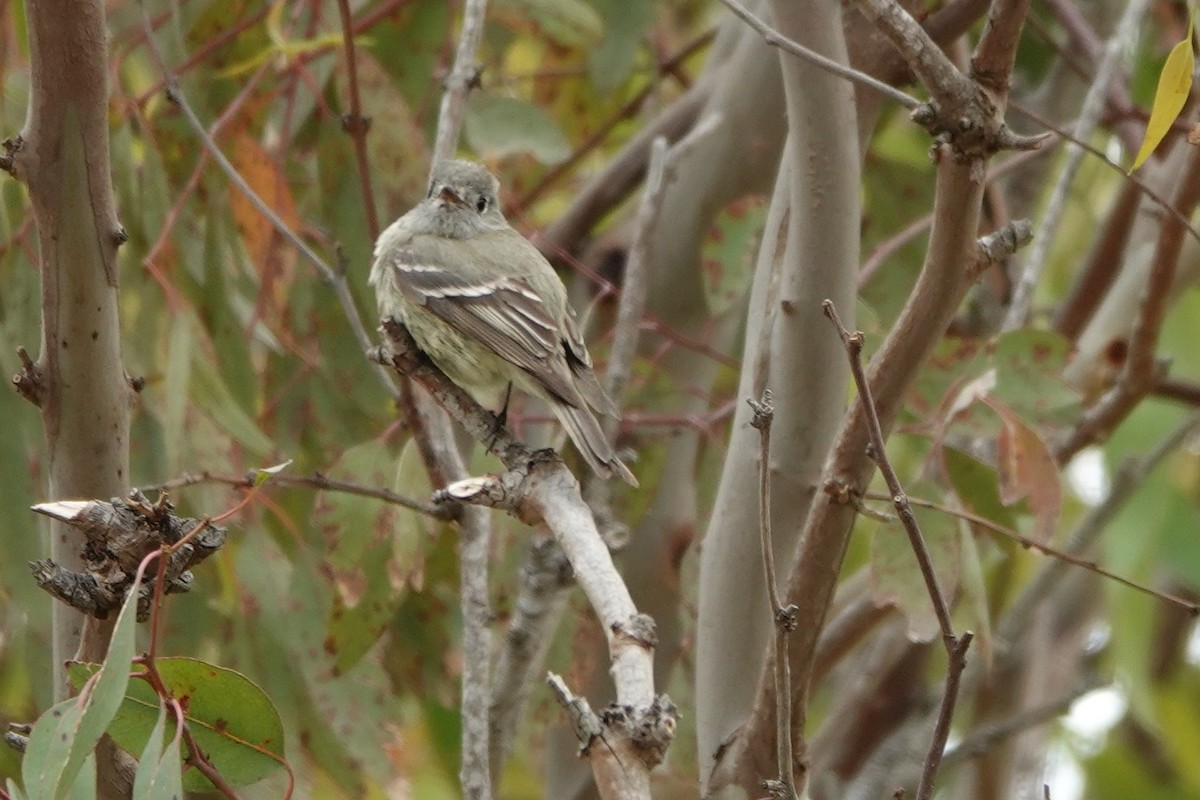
(430, 194)
(481, 204)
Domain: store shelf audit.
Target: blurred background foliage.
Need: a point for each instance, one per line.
(344, 608)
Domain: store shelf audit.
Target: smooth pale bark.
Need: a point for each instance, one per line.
(804, 367)
(81, 382)
(705, 179)
(64, 162)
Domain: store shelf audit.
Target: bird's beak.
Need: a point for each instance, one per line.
(448, 195)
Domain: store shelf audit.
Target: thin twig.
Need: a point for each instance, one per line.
(777, 39)
(354, 123)
(979, 742)
(1041, 547)
(784, 619)
(1144, 187)
(956, 646)
(1129, 476)
(854, 344)
(602, 132)
(627, 329)
(1141, 370)
(941, 730)
(315, 481)
(462, 78)
(335, 278)
(1089, 117)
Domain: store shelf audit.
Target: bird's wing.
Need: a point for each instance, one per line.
(503, 313)
(580, 363)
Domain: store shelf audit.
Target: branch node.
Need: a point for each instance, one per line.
(776, 790)
(653, 729)
(586, 723)
(640, 629)
(17, 736)
(118, 535)
(120, 236)
(11, 146)
(1000, 244)
(28, 381)
(764, 411)
(841, 492)
(356, 124)
(787, 617)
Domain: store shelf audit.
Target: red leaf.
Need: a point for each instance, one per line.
(1027, 470)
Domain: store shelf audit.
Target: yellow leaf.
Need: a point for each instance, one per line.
(1174, 85)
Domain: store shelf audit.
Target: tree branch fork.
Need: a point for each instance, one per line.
(538, 488)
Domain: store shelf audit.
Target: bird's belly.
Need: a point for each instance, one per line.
(472, 366)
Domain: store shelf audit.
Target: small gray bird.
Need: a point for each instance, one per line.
(483, 303)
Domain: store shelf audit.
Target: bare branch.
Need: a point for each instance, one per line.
(334, 278)
(777, 39)
(634, 284)
(1047, 550)
(1089, 117)
(941, 730)
(956, 646)
(784, 619)
(463, 77)
(982, 740)
(317, 480)
(1141, 369)
(878, 453)
(966, 113)
(354, 123)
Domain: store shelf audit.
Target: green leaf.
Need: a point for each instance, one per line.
(84, 786)
(625, 25)
(159, 777)
(48, 748)
(1174, 86)
(570, 23)
(1029, 368)
(374, 548)
(498, 126)
(978, 488)
(973, 610)
(210, 393)
(728, 252)
(148, 760)
(65, 736)
(231, 718)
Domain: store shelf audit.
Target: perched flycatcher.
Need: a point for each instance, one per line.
(483, 303)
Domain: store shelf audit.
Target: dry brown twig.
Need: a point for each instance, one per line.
(956, 646)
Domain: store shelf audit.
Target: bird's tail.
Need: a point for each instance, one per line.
(591, 442)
